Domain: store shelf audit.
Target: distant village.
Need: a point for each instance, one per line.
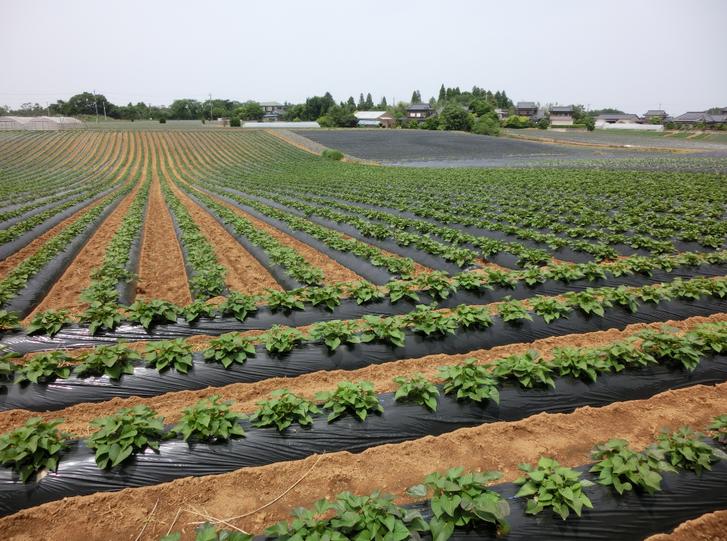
(477, 110)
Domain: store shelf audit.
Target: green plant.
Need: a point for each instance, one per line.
(283, 409)
(513, 310)
(208, 532)
(525, 369)
(101, 315)
(167, 354)
(375, 517)
(388, 329)
(437, 284)
(281, 339)
(427, 320)
(151, 312)
(417, 389)
(334, 333)
(44, 368)
(49, 322)
(332, 154)
(549, 484)
(9, 321)
(666, 346)
(357, 398)
(197, 309)
(588, 301)
(127, 431)
(229, 348)
(462, 500)
(624, 469)
(470, 381)
(365, 292)
(284, 300)
(623, 296)
(621, 355)
(550, 308)
(238, 305)
(35, 446)
(472, 316)
(208, 420)
(709, 337)
(718, 429)
(686, 451)
(578, 363)
(308, 524)
(398, 290)
(112, 361)
(327, 296)
(7, 366)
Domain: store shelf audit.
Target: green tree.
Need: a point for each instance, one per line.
(383, 105)
(250, 110)
(454, 117)
(369, 103)
(481, 107)
(442, 94)
(590, 123)
(416, 97)
(486, 125)
(361, 103)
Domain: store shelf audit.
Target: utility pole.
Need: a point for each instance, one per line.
(210, 107)
(95, 104)
(104, 109)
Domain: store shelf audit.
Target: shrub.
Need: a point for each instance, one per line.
(332, 154)
(543, 123)
(516, 122)
(589, 123)
(33, 447)
(162, 120)
(454, 117)
(126, 432)
(235, 122)
(486, 125)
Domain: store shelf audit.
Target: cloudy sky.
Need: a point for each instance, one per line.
(630, 54)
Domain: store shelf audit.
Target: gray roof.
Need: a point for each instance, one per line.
(419, 107)
(526, 105)
(270, 104)
(615, 117)
(655, 112)
(562, 109)
(700, 116)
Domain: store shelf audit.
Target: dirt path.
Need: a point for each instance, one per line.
(66, 292)
(162, 274)
(246, 395)
(568, 438)
(244, 272)
(709, 527)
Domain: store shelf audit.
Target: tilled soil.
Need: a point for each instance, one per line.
(246, 395)
(709, 527)
(568, 438)
(162, 274)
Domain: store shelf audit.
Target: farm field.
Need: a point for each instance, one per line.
(523, 148)
(216, 326)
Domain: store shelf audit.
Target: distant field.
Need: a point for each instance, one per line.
(421, 148)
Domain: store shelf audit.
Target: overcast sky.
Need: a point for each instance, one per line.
(630, 54)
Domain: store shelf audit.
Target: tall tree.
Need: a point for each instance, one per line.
(351, 103)
(416, 97)
(442, 94)
(369, 103)
(361, 104)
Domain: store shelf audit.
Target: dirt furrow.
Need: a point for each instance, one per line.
(162, 274)
(709, 527)
(568, 438)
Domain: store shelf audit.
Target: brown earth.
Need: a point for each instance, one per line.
(709, 527)
(66, 292)
(237, 497)
(244, 272)
(162, 274)
(246, 395)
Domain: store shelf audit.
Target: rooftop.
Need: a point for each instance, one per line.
(561, 109)
(368, 115)
(419, 107)
(526, 105)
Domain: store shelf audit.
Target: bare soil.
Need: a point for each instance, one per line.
(709, 527)
(392, 468)
(162, 274)
(246, 395)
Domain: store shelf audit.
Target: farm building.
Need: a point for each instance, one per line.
(374, 119)
(13, 122)
(700, 118)
(655, 115)
(288, 125)
(273, 110)
(526, 108)
(617, 119)
(561, 115)
(419, 111)
(43, 123)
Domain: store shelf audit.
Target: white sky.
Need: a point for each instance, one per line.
(631, 54)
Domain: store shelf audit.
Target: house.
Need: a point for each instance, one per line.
(419, 111)
(654, 115)
(700, 118)
(617, 119)
(501, 114)
(526, 108)
(374, 119)
(272, 110)
(561, 115)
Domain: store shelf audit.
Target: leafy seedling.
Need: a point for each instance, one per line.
(148, 313)
(335, 333)
(417, 389)
(167, 354)
(44, 368)
(228, 349)
(49, 322)
(209, 420)
(112, 361)
(35, 446)
(281, 339)
(282, 410)
(525, 369)
(388, 330)
(358, 399)
(470, 381)
(625, 469)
